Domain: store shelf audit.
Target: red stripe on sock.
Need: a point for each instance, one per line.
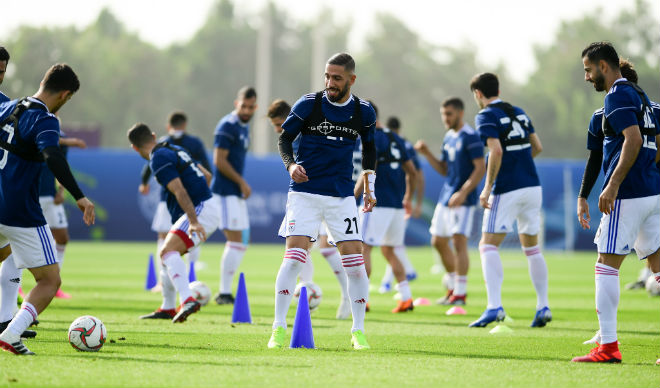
(295, 258)
(353, 265)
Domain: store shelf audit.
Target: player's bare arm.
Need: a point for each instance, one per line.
(493, 168)
(222, 164)
(629, 150)
(411, 180)
(458, 198)
(73, 142)
(175, 186)
(207, 174)
(368, 174)
(591, 171)
(419, 190)
(438, 165)
(537, 147)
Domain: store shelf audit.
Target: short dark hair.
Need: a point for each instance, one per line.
(279, 108)
(4, 54)
(601, 51)
(486, 83)
(61, 77)
(628, 70)
(246, 92)
(343, 59)
(393, 123)
(139, 134)
(177, 119)
(454, 102)
(373, 106)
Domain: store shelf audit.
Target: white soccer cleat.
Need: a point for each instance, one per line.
(595, 339)
(12, 343)
(344, 310)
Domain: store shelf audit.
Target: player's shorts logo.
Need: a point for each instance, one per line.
(292, 225)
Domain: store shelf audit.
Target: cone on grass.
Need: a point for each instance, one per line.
(501, 329)
(191, 273)
(241, 312)
(152, 279)
(302, 336)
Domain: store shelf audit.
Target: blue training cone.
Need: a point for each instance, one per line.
(241, 305)
(191, 273)
(152, 279)
(302, 336)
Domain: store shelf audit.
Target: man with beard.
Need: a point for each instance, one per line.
(321, 188)
(630, 199)
(232, 139)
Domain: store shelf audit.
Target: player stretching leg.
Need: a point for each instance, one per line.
(31, 136)
(512, 192)
(463, 163)
(630, 199)
(321, 188)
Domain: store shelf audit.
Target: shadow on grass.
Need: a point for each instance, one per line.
(120, 358)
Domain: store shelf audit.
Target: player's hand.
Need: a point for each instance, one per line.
(607, 198)
(87, 207)
(421, 147)
(198, 229)
(417, 211)
(583, 213)
(457, 199)
(59, 198)
(369, 201)
(483, 197)
(75, 142)
(246, 190)
(407, 206)
(143, 189)
(298, 173)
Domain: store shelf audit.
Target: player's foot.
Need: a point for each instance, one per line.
(411, 276)
(385, 288)
(359, 341)
(490, 315)
(188, 307)
(657, 362)
(594, 340)
(636, 285)
(456, 300)
(445, 300)
(160, 314)
(26, 333)
(344, 310)
(62, 295)
(403, 306)
(602, 353)
(277, 339)
(12, 343)
(542, 317)
(224, 299)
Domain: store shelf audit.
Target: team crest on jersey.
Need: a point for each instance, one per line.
(326, 128)
(292, 225)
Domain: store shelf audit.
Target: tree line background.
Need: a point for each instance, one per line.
(125, 80)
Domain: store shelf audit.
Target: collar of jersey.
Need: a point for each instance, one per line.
(495, 101)
(38, 101)
(350, 98)
(615, 82)
(238, 119)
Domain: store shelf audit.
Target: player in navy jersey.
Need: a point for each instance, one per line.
(230, 189)
(193, 213)
(321, 187)
(630, 198)
(277, 114)
(462, 161)
(512, 192)
(29, 137)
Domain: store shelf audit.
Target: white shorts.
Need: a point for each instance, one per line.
(306, 212)
(448, 221)
(31, 247)
(522, 205)
(233, 212)
(54, 214)
(162, 222)
(208, 216)
(634, 223)
(384, 226)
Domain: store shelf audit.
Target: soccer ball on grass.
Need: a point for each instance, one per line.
(87, 334)
(314, 294)
(201, 292)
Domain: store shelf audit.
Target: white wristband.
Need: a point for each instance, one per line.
(371, 182)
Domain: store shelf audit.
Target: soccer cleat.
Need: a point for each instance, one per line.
(445, 300)
(160, 314)
(385, 288)
(224, 299)
(411, 276)
(344, 310)
(456, 300)
(188, 307)
(62, 295)
(359, 341)
(34, 323)
(490, 315)
(602, 353)
(277, 340)
(12, 343)
(26, 333)
(403, 306)
(542, 317)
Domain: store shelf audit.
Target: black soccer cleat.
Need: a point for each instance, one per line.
(26, 333)
(224, 299)
(188, 307)
(160, 314)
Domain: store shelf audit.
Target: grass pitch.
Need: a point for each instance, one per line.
(418, 349)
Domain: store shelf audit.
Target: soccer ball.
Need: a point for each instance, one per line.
(87, 334)
(314, 294)
(652, 286)
(201, 292)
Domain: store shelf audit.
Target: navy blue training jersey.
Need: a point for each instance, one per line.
(517, 169)
(390, 178)
(328, 160)
(3, 98)
(595, 134)
(195, 148)
(231, 134)
(412, 154)
(459, 149)
(166, 164)
(19, 178)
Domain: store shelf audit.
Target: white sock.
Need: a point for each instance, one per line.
(334, 260)
(168, 290)
(389, 275)
(460, 287)
(307, 272)
(538, 272)
(23, 319)
(285, 284)
(193, 254)
(404, 289)
(607, 301)
(60, 253)
(231, 260)
(10, 282)
(178, 273)
(452, 280)
(491, 265)
(358, 287)
(400, 252)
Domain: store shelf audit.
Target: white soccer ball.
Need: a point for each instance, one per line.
(652, 286)
(314, 294)
(87, 334)
(201, 292)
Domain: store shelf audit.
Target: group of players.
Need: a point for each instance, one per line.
(320, 138)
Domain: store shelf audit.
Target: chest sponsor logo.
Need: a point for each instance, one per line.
(327, 128)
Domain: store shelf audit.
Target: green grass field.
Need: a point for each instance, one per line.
(418, 349)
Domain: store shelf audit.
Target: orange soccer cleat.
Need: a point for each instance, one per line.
(602, 353)
(403, 306)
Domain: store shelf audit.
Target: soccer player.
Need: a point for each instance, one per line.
(34, 139)
(512, 192)
(385, 226)
(229, 188)
(191, 207)
(463, 163)
(277, 114)
(321, 188)
(630, 198)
